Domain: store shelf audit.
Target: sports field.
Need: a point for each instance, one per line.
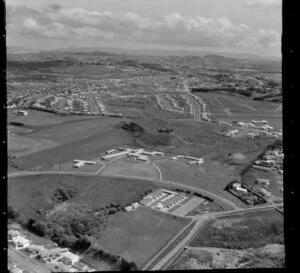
(138, 235)
(211, 176)
(131, 168)
(29, 193)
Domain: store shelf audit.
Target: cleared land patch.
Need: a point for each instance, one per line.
(138, 235)
(131, 168)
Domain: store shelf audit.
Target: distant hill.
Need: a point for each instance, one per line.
(148, 52)
(169, 52)
(20, 50)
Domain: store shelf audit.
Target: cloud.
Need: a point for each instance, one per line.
(55, 7)
(56, 21)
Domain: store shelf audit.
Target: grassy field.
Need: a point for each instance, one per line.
(78, 141)
(22, 145)
(255, 229)
(131, 168)
(29, 193)
(211, 176)
(140, 234)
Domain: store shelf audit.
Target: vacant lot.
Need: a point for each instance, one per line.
(138, 235)
(29, 193)
(131, 168)
(255, 229)
(211, 176)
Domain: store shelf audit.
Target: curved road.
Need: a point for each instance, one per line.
(25, 173)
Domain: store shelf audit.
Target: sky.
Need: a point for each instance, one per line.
(237, 26)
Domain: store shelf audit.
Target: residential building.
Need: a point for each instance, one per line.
(49, 255)
(34, 250)
(135, 205)
(20, 242)
(128, 208)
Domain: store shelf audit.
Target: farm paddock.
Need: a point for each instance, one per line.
(138, 235)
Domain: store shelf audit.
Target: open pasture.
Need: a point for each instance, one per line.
(131, 168)
(138, 235)
(89, 147)
(29, 193)
(21, 145)
(211, 176)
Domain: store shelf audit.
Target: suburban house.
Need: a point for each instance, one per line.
(34, 250)
(20, 242)
(49, 255)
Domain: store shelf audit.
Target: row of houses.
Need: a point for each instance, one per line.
(64, 259)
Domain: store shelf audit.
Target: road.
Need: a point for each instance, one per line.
(202, 220)
(231, 204)
(30, 264)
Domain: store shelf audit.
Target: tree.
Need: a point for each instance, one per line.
(40, 228)
(12, 213)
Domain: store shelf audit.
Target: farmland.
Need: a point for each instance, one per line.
(130, 232)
